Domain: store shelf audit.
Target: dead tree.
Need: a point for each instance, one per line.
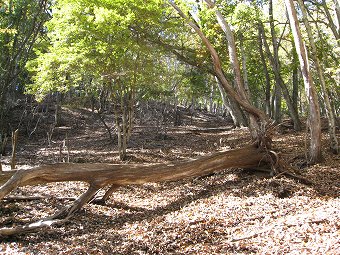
(99, 176)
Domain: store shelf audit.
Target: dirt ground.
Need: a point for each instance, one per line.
(231, 212)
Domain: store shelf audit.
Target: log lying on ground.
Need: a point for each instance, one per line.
(100, 175)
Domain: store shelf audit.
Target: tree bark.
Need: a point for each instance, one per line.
(242, 87)
(337, 11)
(57, 114)
(244, 67)
(334, 145)
(335, 29)
(314, 111)
(232, 107)
(14, 147)
(266, 73)
(276, 65)
(277, 97)
(124, 174)
(295, 80)
(261, 116)
(280, 82)
(100, 175)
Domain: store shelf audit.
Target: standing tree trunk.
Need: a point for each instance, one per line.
(244, 67)
(266, 73)
(337, 11)
(243, 90)
(335, 28)
(315, 154)
(123, 97)
(276, 65)
(277, 97)
(295, 79)
(278, 79)
(259, 133)
(259, 115)
(331, 118)
(57, 113)
(211, 98)
(14, 147)
(231, 106)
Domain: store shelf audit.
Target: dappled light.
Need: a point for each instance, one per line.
(221, 213)
(169, 127)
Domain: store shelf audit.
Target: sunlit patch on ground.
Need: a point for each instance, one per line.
(232, 212)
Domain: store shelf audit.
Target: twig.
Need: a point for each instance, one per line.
(32, 227)
(254, 234)
(14, 147)
(299, 178)
(33, 198)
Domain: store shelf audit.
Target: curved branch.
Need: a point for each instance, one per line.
(218, 69)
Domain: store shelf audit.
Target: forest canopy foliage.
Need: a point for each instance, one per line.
(112, 54)
(248, 60)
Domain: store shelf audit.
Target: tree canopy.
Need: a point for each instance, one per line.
(246, 59)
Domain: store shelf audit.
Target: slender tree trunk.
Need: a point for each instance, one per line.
(1, 151)
(14, 148)
(277, 103)
(261, 116)
(242, 89)
(211, 98)
(295, 80)
(232, 51)
(337, 11)
(244, 67)
(335, 28)
(266, 73)
(314, 111)
(57, 113)
(234, 111)
(124, 131)
(280, 82)
(276, 64)
(331, 118)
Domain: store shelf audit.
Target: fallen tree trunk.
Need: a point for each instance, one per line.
(100, 175)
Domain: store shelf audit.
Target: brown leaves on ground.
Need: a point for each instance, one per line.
(235, 212)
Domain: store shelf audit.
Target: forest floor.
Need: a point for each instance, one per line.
(231, 212)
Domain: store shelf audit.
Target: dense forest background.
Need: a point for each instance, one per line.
(113, 56)
(133, 82)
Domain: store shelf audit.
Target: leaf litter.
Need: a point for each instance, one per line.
(231, 212)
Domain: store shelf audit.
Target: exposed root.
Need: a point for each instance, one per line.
(264, 137)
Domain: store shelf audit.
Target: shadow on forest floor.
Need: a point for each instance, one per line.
(202, 214)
